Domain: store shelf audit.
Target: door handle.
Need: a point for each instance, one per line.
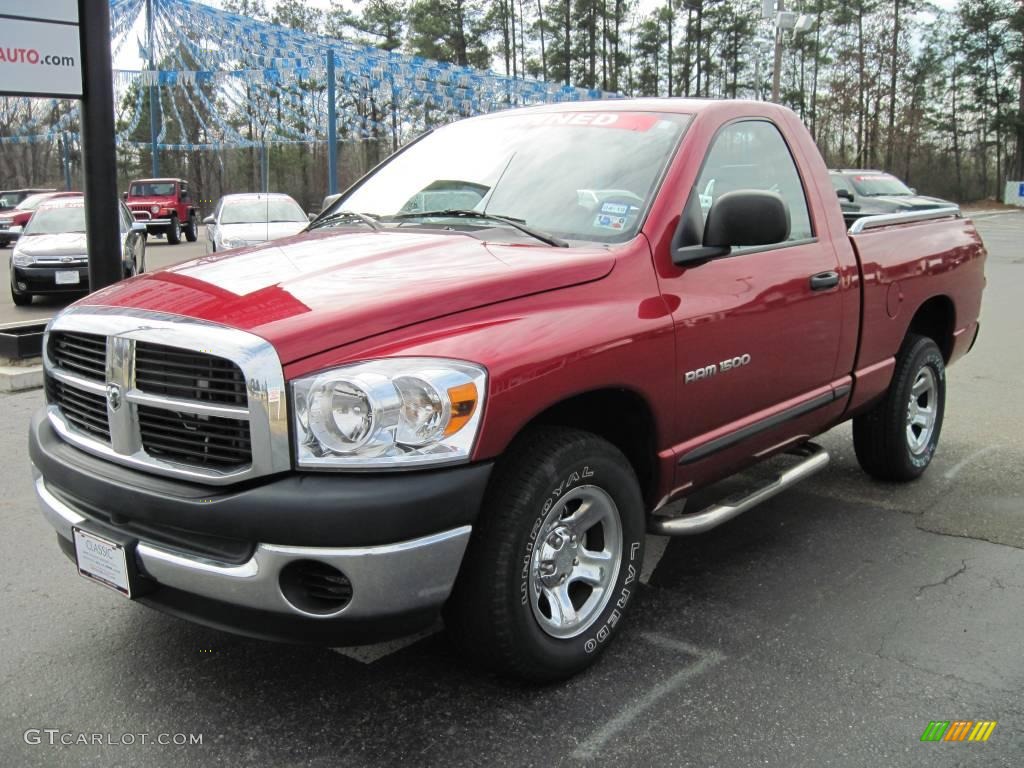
(824, 280)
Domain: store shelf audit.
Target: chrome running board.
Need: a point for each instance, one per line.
(815, 459)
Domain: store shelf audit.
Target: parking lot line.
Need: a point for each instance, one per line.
(705, 659)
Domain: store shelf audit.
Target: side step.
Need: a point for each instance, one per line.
(815, 459)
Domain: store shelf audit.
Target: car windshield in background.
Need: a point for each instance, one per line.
(876, 186)
(53, 221)
(576, 175)
(148, 189)
(261, 211)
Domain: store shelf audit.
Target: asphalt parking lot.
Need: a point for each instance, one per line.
(158, 254)
(824, 628)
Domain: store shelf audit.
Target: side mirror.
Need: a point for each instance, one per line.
(311, 216)
(138, 226)
(209, 220)
(845, 194)
(329, 201)
(913, 190)
(124, 195)
(746, 217)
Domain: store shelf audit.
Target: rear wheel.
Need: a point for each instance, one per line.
(554, 559)
(192, 228)
(174, 230)
(896, 439)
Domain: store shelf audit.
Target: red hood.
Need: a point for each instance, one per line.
(314, 292)
(16, 217)
(148, 201)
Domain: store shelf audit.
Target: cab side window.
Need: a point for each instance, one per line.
(753, 155)
(185, 197)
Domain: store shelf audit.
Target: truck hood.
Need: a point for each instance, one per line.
(317, 291)
(163, 202)
(900, 203)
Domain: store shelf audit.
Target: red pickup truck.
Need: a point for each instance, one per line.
(490, 368)
(166, 207)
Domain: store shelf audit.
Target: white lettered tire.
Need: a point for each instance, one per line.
(554, 561)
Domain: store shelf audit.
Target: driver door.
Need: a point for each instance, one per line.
(756, 341)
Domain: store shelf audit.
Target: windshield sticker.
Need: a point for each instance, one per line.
(620, 120)
(607, 221)
(618, 209)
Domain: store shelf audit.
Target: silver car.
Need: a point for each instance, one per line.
(51, 256)
(250, 219)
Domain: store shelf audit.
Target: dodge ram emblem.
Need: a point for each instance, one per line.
(113, 396)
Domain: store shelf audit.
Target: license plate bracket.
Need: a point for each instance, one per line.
(104, 561)
(67, 277)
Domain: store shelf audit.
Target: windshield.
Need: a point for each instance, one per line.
(873, 186)
(261, 211)
(152, 189)
(53, 221)
(578, 175)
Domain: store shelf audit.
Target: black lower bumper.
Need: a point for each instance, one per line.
(43, 280)
(325, 509)
(217, 556)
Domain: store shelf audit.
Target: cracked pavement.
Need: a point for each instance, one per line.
(824, 628)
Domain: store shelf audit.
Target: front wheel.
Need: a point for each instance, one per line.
(174, 230)
(192, 228)
(554, 560)
(896, 440)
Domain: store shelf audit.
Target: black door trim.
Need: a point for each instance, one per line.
(731, 439)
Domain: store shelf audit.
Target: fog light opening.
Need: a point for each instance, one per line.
(313, 587)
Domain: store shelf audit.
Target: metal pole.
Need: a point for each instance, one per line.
(332, 128)
(99, 156)
(264, 168)
(66, 160)
(154, 102)
(778, 53)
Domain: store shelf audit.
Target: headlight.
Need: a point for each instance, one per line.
(20, 259)
(233, 242)
(395, 413)
(154, 208)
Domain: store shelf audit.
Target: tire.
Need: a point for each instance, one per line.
(192, 228)
(174, 230)
(21, 299)
(896, 440)
(499, 612)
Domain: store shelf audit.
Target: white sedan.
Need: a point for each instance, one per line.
(250, 219)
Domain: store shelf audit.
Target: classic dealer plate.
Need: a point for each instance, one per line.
(102, 561)
(66, 277)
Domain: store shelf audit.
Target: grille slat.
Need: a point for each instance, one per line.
(162, 370)
(211, 441)
(86, 411)
(84, 354)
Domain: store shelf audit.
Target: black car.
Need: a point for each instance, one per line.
(864, 193)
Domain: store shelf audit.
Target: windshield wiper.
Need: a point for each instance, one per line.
(338, 215)
(459, 213)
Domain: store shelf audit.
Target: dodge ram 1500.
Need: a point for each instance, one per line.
(487, 370)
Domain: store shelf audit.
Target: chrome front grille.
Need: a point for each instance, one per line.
(146, 390)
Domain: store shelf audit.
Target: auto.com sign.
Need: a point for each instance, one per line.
(40, 53)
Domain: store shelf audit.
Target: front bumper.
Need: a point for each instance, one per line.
(187, 566)
(40, 280)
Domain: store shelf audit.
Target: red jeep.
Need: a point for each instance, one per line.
(166, 207)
